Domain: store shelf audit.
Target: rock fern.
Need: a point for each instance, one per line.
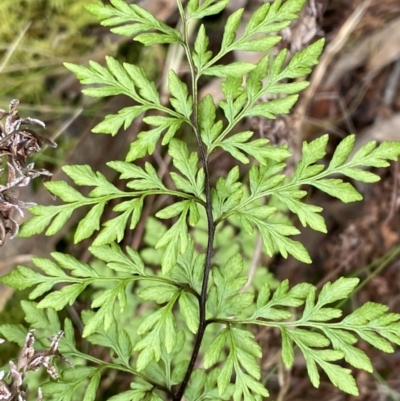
(195, 295)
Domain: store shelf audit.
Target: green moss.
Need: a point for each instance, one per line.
(56, 32)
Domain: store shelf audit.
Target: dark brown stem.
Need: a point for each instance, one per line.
(211, 224)
(202, 306)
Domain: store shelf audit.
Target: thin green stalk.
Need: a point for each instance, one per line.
(121, 368)
(383, 263)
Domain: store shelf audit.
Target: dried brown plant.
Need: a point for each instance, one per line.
(29, 359)
(17, 144)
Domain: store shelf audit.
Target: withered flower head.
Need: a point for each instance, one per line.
(17, 143)
(30, 359)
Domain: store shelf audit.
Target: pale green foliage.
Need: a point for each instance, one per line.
(181, 303)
